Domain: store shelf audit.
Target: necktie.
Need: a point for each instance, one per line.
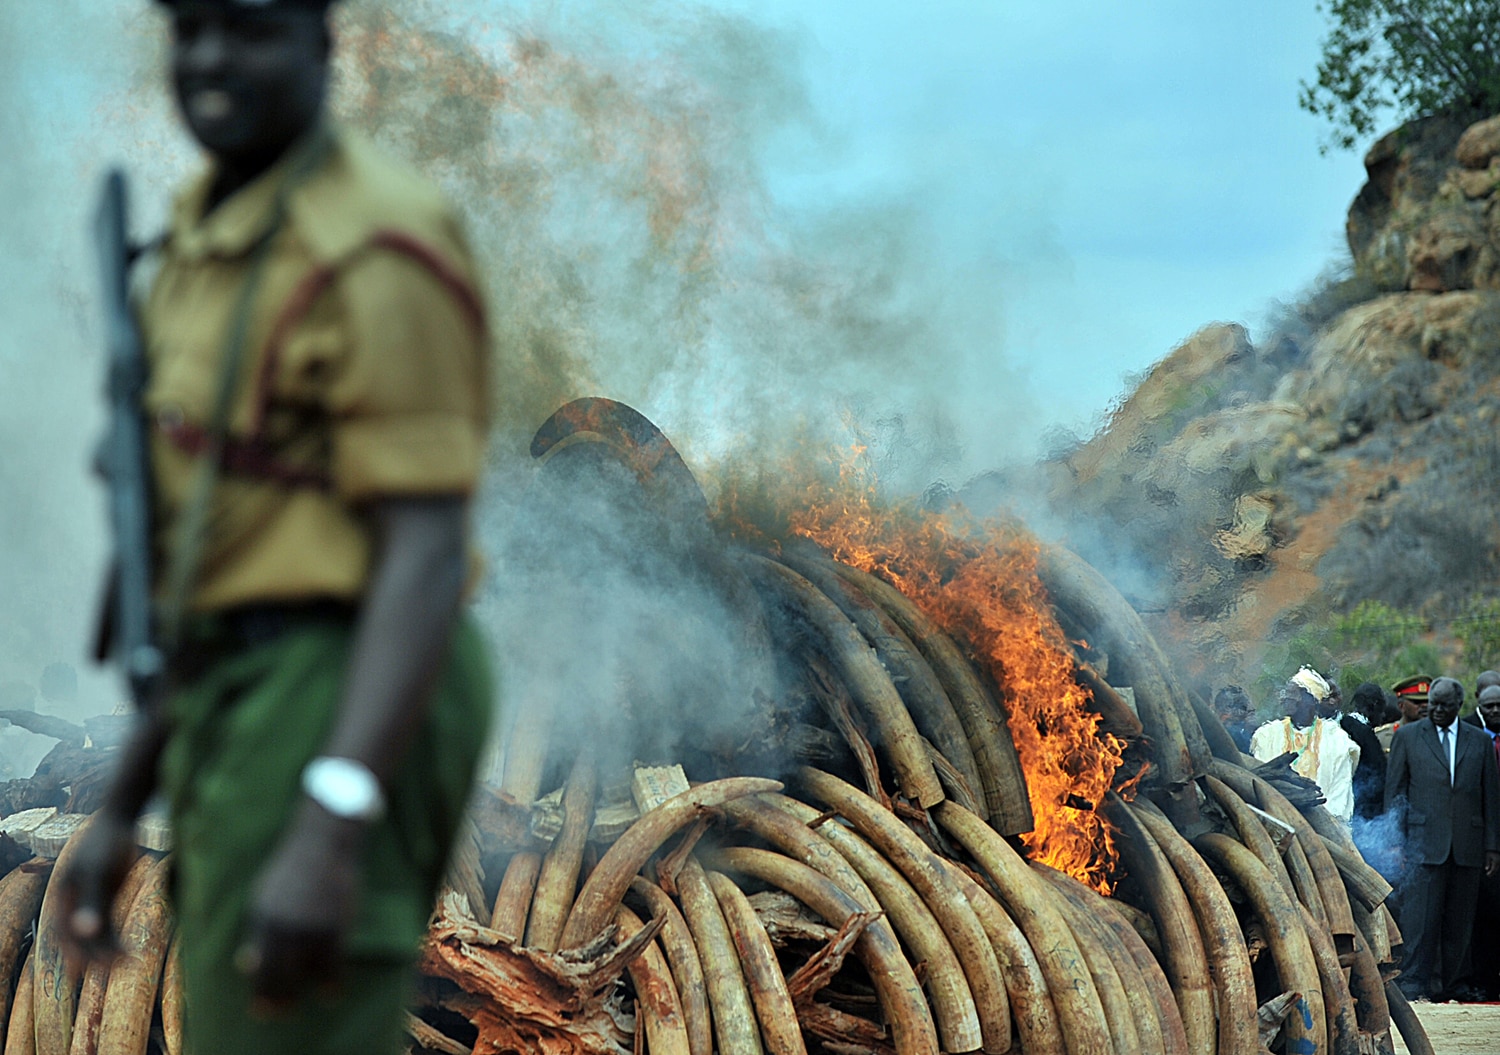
(1443, 735)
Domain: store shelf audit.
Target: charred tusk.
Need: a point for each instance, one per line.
(955, 785)
(859, 669)
(734, 1017)
(1306, 1027)
(919, 687)
(1098, 607)
(130, 1000)
(768, 989)
(1367, 885)
(952, 1000)
(1114, 713)
(687, 970)
(607, 884)
(666, 1027)
(1185, 959)
(1223, 941)
(985, 722)
(558, 878)
(895, 983)
(1219, 741)
(923, 869)
(1030, 903)
(1407, 1022)
(1367, 990)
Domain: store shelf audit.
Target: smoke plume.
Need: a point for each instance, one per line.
(609, 161)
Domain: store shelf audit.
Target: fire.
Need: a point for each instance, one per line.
(978, 581)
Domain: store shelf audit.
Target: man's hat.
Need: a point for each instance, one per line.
(1415, 687)
(1310, 682)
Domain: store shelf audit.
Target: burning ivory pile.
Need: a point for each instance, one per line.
(875, 899)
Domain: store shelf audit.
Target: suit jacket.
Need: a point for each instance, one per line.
(1463, 818)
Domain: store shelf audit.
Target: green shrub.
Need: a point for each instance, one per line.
(1478, 631)
(1372, 642)
(1401, 59)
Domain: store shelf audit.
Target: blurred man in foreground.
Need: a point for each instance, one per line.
(313, 316)
(1445, 772)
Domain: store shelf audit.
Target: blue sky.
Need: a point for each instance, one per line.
(1128, 172)
(1113, 176)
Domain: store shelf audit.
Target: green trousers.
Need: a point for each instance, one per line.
(241, 734)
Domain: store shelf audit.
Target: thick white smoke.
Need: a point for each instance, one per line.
(610, 160)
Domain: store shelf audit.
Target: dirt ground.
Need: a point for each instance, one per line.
(1459, 1029)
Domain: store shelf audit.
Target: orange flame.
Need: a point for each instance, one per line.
(978, 581)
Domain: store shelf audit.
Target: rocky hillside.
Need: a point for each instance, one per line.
(1351, 456)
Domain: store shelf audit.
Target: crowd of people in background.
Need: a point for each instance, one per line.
(1422, 787)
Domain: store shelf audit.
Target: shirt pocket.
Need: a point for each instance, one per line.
(301, 369)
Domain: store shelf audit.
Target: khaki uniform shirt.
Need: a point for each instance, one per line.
(364, 373)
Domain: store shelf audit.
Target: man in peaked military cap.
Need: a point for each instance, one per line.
(315, 320)
(1411, 702)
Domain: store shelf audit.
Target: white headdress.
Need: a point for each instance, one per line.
(1312, 682)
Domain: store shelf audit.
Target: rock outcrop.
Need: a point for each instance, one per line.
(1350, 455)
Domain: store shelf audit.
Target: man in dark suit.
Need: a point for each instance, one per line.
(1446, 772)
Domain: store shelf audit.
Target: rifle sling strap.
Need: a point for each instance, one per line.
(188, 543)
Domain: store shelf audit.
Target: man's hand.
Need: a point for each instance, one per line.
(105, 851)
(1491, 862)
(304, 899)
(302, 909)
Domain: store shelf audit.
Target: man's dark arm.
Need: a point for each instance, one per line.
(108, 845)
(1489, 787)
(305, 897)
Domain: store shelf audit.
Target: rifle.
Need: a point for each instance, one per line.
(128, 633)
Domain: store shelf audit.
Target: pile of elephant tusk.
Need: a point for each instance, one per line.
(889, 910)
